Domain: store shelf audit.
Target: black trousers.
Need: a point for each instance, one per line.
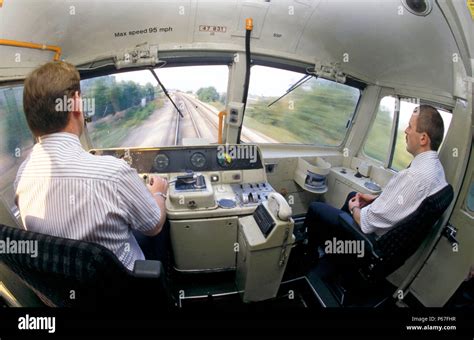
(322, 223)
(155, 247)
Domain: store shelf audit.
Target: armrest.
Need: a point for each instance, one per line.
(147, 272)
(350, 226)
(148, 269)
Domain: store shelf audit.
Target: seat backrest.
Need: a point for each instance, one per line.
(66, 272)
(398, 244)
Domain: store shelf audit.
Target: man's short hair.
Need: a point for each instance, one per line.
(430, 122)
(43, 87)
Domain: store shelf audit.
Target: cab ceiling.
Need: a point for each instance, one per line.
(381, 42)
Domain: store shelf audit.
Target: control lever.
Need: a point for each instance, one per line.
(200, 182)
(189, 178)
(358, 174)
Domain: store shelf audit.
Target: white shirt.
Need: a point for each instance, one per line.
(404, 193)
(64, 191)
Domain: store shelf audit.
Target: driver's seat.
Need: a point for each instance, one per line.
(341, 274)
(72, 273)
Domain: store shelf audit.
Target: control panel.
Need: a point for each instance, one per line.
(210, 188)
(251, 193)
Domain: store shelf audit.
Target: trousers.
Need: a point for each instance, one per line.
(322, 223)
(155, 247)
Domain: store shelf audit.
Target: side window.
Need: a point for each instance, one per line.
(470, 198)
(401, 157)
(16, 139)
(16, 143)
(377, 143)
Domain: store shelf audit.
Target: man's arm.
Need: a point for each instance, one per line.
(366, 199)
(400, 197)
(144, 211)
(158, 188)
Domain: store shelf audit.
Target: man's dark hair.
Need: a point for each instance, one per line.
(430, 122)
(43, 87)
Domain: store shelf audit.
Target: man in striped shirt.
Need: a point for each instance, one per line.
(401, 196)
(64, 191)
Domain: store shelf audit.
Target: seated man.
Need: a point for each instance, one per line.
(401, 196)
(64, 191)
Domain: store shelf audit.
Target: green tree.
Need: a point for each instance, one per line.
(149, 92)
(101, 95)
(208, 94)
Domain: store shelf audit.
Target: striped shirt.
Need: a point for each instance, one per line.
(404, 193)
(64, 191)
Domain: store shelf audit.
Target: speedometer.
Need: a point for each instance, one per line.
(161, 162)
(198, 160)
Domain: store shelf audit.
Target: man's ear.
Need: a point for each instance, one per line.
(425, 139)
(77, 103)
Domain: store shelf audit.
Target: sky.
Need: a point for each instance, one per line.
(264, 80)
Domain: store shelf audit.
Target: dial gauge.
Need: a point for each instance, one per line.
(198, 160)
(161, 162)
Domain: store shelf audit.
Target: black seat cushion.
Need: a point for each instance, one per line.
(402, 241)
(70, 273)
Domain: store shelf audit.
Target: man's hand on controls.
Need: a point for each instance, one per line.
(157, 184)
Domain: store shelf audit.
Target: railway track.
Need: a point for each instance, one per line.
(202, 122)
(248, 135)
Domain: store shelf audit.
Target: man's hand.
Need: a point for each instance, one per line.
(365, 199)
(157, 184)
(354, 202)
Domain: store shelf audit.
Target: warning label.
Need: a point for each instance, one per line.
(470, 5)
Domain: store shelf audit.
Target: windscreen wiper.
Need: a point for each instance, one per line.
(166, 92)
(300, 82)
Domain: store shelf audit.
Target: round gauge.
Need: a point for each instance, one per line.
(198, 160)
(224, 160)
(161, 162)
